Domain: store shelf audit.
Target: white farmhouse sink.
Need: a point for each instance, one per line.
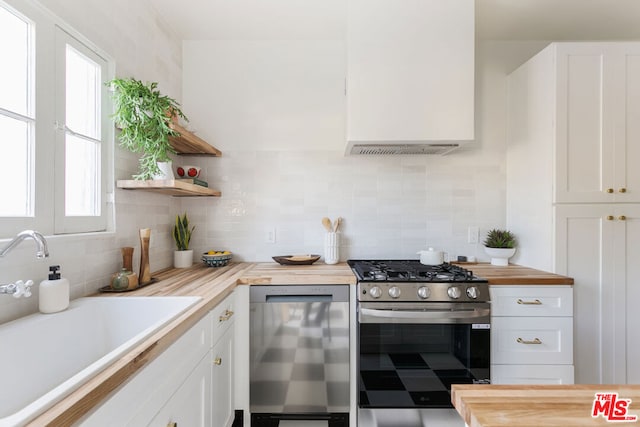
(43, 357)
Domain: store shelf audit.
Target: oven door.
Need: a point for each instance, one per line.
(410, 354)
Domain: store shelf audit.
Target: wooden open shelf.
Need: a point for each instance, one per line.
(189, 143)
(172, 187)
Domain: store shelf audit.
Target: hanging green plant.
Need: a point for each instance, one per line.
(144, 115)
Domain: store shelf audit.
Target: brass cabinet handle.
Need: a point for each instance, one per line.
(610, 217)
(609, 190)
(534, 302)
(622, 190)
(622, 217)
(226, 316)
(218, 361)
(172, 424)
(534, 341)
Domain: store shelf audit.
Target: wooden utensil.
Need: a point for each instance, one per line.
(145, 269)
(326, 222)
(337, 224)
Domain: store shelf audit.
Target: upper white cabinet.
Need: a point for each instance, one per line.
(584, 99)
(410, 70)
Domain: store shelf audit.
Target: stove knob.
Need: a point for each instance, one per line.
(472, 292)
(454, 292)
(424, 292)
(375, 292)
(394, 292)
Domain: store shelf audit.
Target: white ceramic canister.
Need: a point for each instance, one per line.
(431, 257)
(331, 248)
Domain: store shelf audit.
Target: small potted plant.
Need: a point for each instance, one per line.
(183, 256)
(144, 115)
(500, 245)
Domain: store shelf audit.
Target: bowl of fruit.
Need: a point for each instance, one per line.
(216, 258)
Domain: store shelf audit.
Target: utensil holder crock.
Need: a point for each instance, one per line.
(331, 248)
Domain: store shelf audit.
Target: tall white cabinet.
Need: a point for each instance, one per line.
(573, 192)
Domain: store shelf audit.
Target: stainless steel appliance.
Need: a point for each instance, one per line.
(421, 328)
(299, 349)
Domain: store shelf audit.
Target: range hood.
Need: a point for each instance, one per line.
(369, 148)
(410, 76)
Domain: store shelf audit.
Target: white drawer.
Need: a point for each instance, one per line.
(531, 300)
(222, 317)
(531, 374)
(532, 340)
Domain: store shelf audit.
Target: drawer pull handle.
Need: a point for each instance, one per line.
(218, 361)
(534, 341)
(534, 302)
(609, 190)
(226, 316)
(172, 424)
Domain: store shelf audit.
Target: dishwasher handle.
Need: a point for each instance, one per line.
(298, 293)
(298, 298)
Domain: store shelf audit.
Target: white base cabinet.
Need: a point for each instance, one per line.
(189, 384)
(531, 335)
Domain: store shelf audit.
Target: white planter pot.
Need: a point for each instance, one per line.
(500, 256)
(166, 170)
(183, 259)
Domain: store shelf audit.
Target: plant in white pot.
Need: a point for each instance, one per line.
(183, 256)
(500, 245)
(144, 115)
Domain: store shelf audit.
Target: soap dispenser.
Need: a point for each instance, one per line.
(54, 293)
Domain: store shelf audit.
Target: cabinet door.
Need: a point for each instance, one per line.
(532, 340)
(626, 182)
(585, 118)
(585, 251)
(531, 301)
(627, 294)
(410, 70)
(222, 381)
(190, 405)
(597, 122)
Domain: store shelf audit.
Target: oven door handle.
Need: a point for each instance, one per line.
(426, 314)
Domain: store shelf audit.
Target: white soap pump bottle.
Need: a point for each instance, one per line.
(54, 293)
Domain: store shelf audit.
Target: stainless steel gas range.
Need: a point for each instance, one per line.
(421, 329)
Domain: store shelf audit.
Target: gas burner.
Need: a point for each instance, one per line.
(400, 281)
(409, 271)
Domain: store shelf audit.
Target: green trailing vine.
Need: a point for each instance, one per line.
(143, 114)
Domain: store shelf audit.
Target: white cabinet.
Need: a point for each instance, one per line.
(190, 383)
(222, 371)
(190, 405)
(410, 70)
(600, 250)
(573, 190)
(531, 335)
(137, 402)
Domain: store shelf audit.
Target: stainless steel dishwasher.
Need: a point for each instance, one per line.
(299, 355)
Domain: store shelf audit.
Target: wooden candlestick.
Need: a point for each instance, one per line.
(145, 268)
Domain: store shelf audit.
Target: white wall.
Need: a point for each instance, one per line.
(130, 33)
(276, 110)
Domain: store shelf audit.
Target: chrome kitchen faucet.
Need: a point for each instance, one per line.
(20, 288)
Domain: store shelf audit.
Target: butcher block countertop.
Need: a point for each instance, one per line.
(213, 285)
(539, 405)
(516, 275)
(271, 273)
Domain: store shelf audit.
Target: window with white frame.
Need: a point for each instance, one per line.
(55, 131)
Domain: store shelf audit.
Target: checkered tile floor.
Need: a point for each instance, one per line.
(305, 361)
(410, 380)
